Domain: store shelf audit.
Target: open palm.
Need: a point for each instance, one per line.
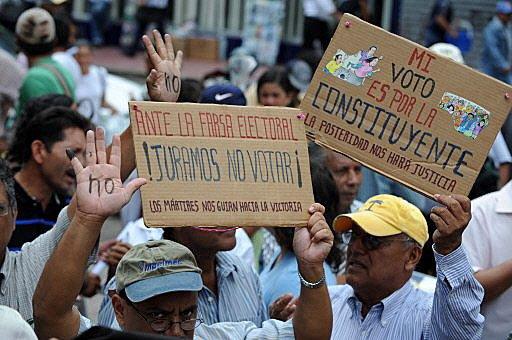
(164, 80)
(100, 191)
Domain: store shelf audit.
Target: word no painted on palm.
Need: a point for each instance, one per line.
(398, 108)
(218, 165)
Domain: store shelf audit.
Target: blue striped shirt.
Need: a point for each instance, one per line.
(239, 296)
(453, 312)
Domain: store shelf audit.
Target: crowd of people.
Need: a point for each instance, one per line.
(375, 261)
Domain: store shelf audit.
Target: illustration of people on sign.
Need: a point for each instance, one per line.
(468, 118)
(354, 68)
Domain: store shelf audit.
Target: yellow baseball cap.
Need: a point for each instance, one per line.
(386, 215)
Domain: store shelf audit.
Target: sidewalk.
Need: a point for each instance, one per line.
(116, 62)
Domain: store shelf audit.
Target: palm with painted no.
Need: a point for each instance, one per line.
(100, 192)
(164, 80)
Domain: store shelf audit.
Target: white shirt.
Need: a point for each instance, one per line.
(500, 153)
(66, 60)
(90, 91)
(487, 241)
(321, 9)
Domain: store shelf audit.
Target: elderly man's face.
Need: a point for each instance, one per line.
(347, 175)
(382, 268)
(148, 316)
(7, 218)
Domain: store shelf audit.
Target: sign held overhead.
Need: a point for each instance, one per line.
(398, 108)
(219, 165)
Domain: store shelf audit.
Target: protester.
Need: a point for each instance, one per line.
(385, 239)
(231, 289)
(347, 176)
(157, 281)
(497, 51)
(20, 271)
(91, 90)
(275, 88)
(35, 33)
(487, 240)
(65, 38)
(45, 180)
(439, 24)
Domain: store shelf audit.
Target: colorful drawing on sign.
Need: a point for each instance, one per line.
(354, 68)
(468, 118)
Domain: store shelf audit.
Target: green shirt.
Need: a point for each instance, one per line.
(39, 81)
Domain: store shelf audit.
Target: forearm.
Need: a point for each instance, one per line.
(457, 299)
(62, 279)
(313, 316)
(495, 280)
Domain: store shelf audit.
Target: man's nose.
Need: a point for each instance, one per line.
(175, 330)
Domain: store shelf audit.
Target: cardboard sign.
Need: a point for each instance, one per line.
(398, 108)
(218, 165)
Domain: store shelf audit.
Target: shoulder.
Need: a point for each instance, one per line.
(226, 259)
(486, 203)
(340, 293)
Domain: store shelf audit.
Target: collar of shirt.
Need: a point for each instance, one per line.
(387, 307)
(225, 265)
(504, 199)
(5, 270)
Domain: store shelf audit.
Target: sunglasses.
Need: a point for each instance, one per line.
(371, 242)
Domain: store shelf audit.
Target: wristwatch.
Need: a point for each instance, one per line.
(312, 285)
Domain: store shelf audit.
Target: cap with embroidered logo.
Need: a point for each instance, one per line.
(224, 94)
(386, 215)
(157, 267)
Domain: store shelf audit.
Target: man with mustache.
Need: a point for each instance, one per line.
(45, 180)
(385, 239)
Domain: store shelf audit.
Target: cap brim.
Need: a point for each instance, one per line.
(173, 282)
(368, 221)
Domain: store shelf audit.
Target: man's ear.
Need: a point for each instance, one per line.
(414, 256)
(39, 151)
(119, 306)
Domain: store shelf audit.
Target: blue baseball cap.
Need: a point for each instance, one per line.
(504, 7)
(225, 94)
(155, 268)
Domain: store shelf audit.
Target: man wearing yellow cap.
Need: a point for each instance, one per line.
(385, 238)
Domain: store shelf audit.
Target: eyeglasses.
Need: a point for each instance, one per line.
(162, 324)
(371, 242)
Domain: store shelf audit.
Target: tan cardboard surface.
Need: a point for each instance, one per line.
(403, 110)
(218, 165)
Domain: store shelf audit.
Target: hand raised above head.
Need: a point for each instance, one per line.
(313, 243)
(451, 220)
(164, 80)
(99, 190)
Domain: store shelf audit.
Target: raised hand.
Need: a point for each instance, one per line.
(164, 80)
(99, 190)
(313, 243)
(450, 221)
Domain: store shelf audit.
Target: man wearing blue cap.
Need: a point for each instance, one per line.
(497, 52)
